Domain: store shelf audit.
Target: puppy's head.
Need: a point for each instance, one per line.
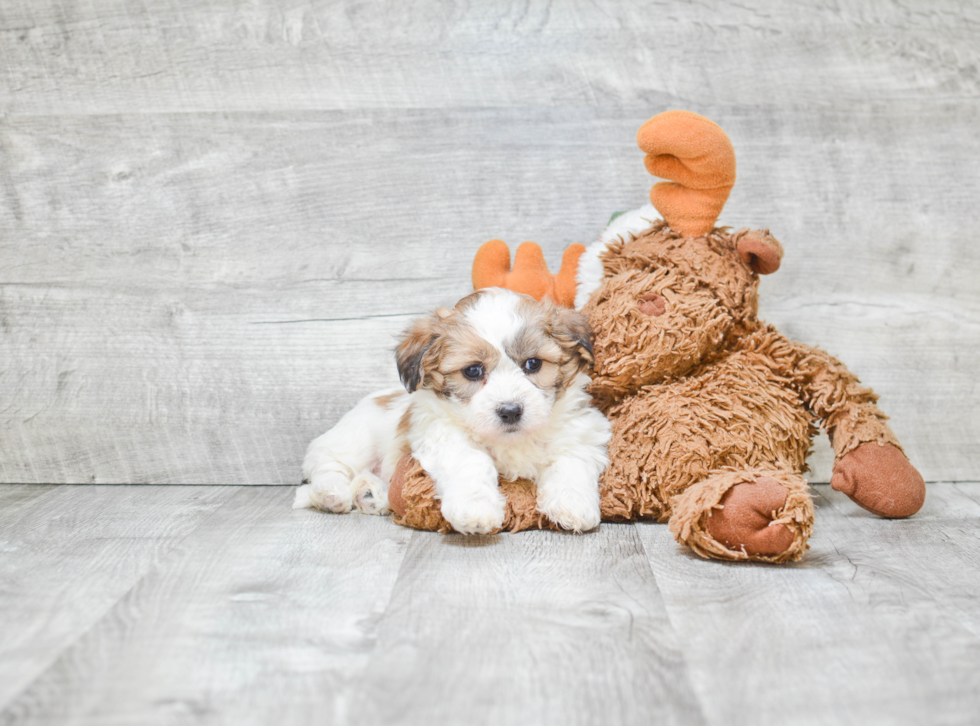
(499, 360)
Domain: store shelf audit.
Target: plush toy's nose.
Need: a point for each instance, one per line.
(652, 304)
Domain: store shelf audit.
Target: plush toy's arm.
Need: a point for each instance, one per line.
(870, 465)
(849, 411)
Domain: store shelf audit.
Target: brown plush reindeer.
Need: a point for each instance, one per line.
(713, 411)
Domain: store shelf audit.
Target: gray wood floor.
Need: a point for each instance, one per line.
(149, 604)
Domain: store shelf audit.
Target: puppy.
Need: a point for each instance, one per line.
(495, 387)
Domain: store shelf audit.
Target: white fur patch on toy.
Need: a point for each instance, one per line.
(590, 272)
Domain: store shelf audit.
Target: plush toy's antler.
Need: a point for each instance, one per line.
(698, 158)
(530, 275)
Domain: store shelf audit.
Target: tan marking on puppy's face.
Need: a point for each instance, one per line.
(534, 344)
(560, 338)
(437, 349)
(462, 352)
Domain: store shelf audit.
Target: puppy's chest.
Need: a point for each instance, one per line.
(523, 460)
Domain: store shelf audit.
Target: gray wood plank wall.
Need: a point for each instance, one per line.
(214, 217)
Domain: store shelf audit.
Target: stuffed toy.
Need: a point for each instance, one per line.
(713, 411)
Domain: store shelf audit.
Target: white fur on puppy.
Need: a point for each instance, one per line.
(495, 388)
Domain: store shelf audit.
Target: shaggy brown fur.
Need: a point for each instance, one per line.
(713, 412)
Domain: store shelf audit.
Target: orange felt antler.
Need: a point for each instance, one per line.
(529, 275)
(698, 158)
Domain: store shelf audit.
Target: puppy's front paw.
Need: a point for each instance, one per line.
(370, 493)
(474, 512)
(574, 510)
(331, 492)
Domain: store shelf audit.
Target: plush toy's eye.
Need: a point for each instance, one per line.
(473, 372)
(532, 365)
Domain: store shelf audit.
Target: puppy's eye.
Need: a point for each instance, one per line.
(532, 365)
(473, 372)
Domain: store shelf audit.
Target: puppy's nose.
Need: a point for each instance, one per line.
(510, 412)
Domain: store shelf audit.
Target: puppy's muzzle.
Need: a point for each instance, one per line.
(510, 413)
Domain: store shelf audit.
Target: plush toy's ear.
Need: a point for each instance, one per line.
(529, 275)
(412, 353)
(699, 159)
(759, 250)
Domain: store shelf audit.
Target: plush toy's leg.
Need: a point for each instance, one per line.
(761, 515)
(871, 467)
(412, 498)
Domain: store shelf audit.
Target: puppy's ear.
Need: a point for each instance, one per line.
(572, 331)
(415, 351)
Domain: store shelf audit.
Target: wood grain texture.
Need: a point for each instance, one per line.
(185, 56)
(67, 555)
(877, 625)
(214, 218)
(221, 605)
(546, 629)
(264, 615)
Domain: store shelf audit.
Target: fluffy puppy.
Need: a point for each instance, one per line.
(494, 387)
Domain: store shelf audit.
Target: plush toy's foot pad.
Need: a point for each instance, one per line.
(881, 479)
(765, 516)
(746, 517)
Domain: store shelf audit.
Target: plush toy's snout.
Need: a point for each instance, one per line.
(652, 304)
